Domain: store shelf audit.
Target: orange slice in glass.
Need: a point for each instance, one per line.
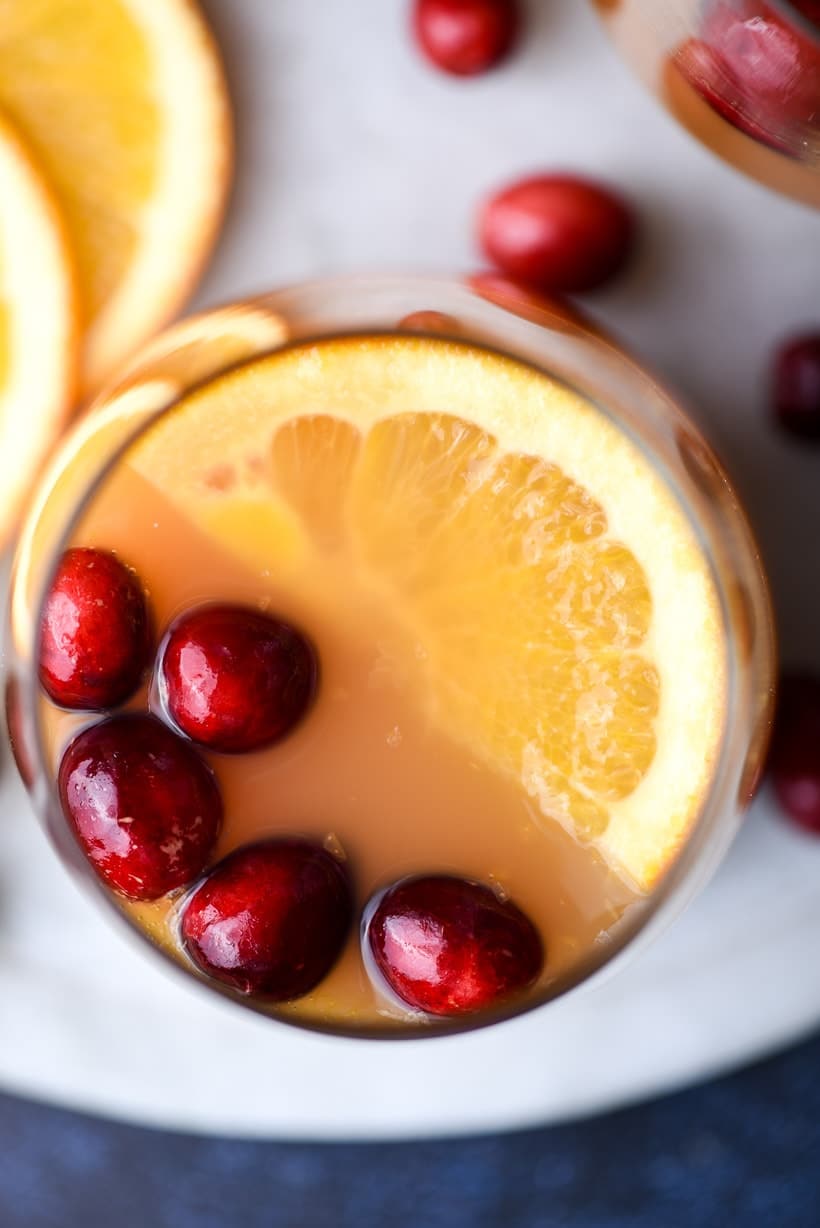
(565, 622)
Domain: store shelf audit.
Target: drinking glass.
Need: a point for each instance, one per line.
(490, 312)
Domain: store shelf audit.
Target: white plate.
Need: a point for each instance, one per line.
(91, 1020)
(352, 154)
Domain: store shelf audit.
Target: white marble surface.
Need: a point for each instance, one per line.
(354, 155)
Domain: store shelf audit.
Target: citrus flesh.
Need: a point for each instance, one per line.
(565, 624)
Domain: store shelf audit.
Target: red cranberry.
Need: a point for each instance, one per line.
(558, 232)
(95, 635)
(794, 759)
(465, 37)
(235, 680)
(796, 386)
(271, 919)
(710, 76)
(757, 69)
(146, 809)
(447, 946)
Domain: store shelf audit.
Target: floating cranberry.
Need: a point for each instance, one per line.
(796, 386)
(235, 680)
(271, 919)
(448, 946)
(794, 759)
(95, 634)
(466, 37)
(144, 806)
(561, 233)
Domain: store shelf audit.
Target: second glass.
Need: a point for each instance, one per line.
(743, 76)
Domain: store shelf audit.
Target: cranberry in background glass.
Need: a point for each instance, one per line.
(794, 758)
(465, 37)
(796, 386)
(448, 946)
(756, 67)
(560, 233)
(271, 919)
(144, 806)
(235, 680)
(95, 634)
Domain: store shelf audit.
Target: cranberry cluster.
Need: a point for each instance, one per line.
(271, 918)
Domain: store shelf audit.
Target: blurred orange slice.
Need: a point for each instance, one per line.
(38, 324)
(124, 104)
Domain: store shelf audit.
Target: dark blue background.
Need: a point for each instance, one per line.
(742, 1152)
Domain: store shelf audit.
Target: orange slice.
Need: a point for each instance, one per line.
(124, 105)
(563, 616)
(38, 318)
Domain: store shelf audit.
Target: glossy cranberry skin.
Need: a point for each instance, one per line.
(466, 37)
(796, 387)
(560, 233)
(794, 758)
(95, 632)
(271, 919)
(144, 806)
(448, 946)
(235, 680)
(757, 69)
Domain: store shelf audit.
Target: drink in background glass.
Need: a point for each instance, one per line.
(743, 76)
(541, 633)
